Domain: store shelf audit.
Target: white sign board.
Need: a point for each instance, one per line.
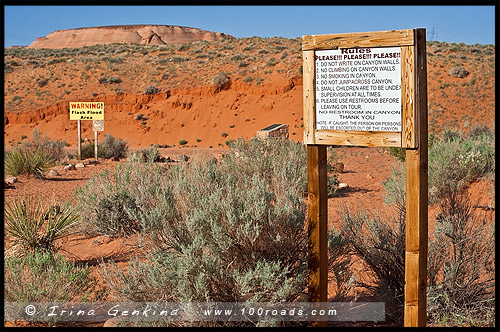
(358, 89)
(98, 125)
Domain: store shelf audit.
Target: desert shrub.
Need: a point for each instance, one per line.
(54, 148)
(460, 253)
(22, 160)
(451, 135)
(114, 80)
(148, 155)
(478, 130)
(151, 90)
(276, 157)
(15, 99)
(116, 59)
(339, 266)
(182, 142)
(43, 277)
(139, 116)
(461, 268)
(380, 243)
(109, 80)
(107, 148)
(237, 57)
(42, 81)
(454, 162)
(221, 81)
(178, 59)
(396, 187)
(33, 226)
(399, 153)
(332, 185)
(115, 194)
(271, 62)
(458, 72)
(88, 151)
(56, 60)
(223, 231)
(114, 219)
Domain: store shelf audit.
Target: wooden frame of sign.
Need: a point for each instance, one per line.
(410, 133)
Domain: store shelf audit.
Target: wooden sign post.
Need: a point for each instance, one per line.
(368, 89)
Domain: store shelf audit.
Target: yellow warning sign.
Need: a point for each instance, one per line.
(83, 110)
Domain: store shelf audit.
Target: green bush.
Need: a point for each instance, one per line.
(461, 267)
(399, 153)
(113, 147)
(380, 243)
(54, 148)
(332, 185)
(151, 90)
(114, 219)
(340, 266)
(182, 142)
(109, 80)
(43, 277)
(458, 72)
(107, 148)
(460, 261)
(33, 226)
(114, 194)
(148, 155)
(88, 150)
(221, 81)
(455, 161)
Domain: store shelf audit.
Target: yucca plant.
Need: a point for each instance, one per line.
(34, 227)
(15, 162)
(22, 160)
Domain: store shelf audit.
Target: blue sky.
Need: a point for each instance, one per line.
(452, 24)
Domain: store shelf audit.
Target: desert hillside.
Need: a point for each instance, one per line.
(130, 34)
(207, 92)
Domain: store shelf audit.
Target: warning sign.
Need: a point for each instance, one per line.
(86, 110)
(358, 89)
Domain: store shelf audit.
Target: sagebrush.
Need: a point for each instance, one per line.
(44, 277)
(213, 230)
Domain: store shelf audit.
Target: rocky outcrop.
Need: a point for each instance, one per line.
(136, 34)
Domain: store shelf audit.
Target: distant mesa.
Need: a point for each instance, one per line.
(133, 34)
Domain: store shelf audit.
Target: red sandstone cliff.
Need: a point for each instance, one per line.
(138, 34)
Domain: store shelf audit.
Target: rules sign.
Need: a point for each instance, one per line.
(358, 89)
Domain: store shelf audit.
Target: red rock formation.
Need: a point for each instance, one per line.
(137, 34)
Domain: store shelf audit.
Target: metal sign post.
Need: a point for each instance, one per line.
(79, 139)
(98, 125)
